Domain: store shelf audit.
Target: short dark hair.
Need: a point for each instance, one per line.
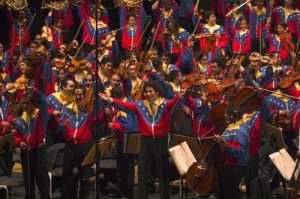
(130, 14)
(80, 86)
(156, 86)
(156, 62)
(173, 75)
(106, 60)
(117, 92)
(208, 13)
(64, 81)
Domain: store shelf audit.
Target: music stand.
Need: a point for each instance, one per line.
(192, 141)
(194, 144)
(132, 143)
(275, 134)
(90, 157)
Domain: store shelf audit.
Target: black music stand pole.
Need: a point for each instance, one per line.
(97, 157)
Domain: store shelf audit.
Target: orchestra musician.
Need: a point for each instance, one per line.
(5, 113)
(76, 126)
(154, 123)
(213, 38)
(29, 136)
(163, 13)
(285, 14)
(54, 31)
(257, 21)
(89, 25)
(19, 28)
(123, 123)
(282, 108)
(56, 102)
(235, 141)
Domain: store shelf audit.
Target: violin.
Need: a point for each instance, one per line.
(46, 33)
(59, 63)
(20, 83)
(215, 92)
(76, 65)
(109, 39)
(286, 40)
(289, 80)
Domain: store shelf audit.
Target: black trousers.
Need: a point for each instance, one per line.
(73, 156)
(35, 170)
(125, 171)
(229, 181)
(251, 173)
(153, 150)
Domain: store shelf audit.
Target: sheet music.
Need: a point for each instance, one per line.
(284, 163)
(188, 152)
(183, 157)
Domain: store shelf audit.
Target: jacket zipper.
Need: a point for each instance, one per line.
(76, 127)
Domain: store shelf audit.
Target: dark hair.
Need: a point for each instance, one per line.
(156, 86)
(174, 22)
(64, 81)
(208, 13)
(105, 60)
(162, 73)
(173, 75)
(243, 18)
(157, 62)
(130, 14)
(273, 53)
(117, 92)
(167, 54)
(80, 86)
(284, 25)
(201, 54)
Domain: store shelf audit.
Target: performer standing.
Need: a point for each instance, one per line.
(76, 125)
(154, 122)
(29, 136)
(235, 141)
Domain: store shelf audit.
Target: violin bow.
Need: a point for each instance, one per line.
(74, 38)
(82, 44)
(282, 94)
(155, 35)
(147, 25)
(28, 27)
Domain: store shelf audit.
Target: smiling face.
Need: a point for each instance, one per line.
(151, 94)
(212, 19)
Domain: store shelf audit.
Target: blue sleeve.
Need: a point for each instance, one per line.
(43, 107)
(169, 92)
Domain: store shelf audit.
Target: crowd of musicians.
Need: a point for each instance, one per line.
(219, 74)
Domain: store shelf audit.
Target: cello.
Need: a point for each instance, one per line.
(202, 177)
